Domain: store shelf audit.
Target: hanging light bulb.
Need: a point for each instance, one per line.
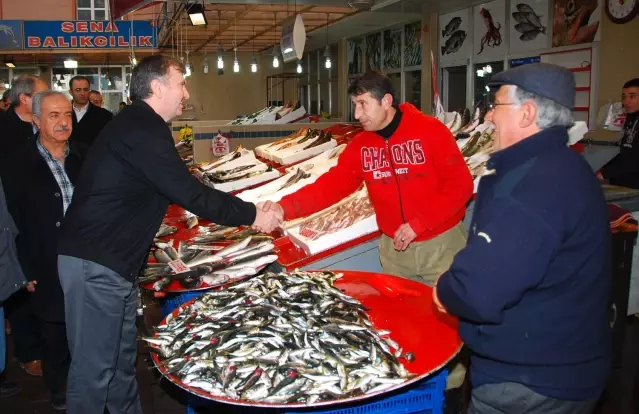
(276, 62)
(327, 57)
(189, 70)
(488, 69)
(299, 66)
(205, 63)
(253, 64)
(220, 58)
(108, 81)
(276, 54)
(236, 65)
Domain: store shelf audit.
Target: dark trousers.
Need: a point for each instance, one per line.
(100, 309)
(25, 329)
(57, 358)
(513, 398)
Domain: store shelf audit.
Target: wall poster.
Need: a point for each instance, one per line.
(575, 22)
(528, 25)
(489, 24)
(455, 38)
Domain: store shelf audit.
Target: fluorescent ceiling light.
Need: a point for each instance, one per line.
(10, 64)
(70, 64)
(196, 14)
(288, 50)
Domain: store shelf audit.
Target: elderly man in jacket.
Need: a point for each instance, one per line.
(39, 182)
(11, 280)
(531, 288)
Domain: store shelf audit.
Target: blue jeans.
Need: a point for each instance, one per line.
(3, 342)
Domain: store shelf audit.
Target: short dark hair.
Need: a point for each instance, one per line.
(123, 103)
(375, 83)
(94, 91)
(78, 78)
(149, 69)
(6, 95)
(632, 83)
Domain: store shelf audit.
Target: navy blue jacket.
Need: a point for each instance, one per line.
(531, 289)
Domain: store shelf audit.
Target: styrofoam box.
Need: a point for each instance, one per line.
(359, 229)
(289, 157)
(318, 160)
(291, 116)
(247, 182)
(269, 191)
(245, 159)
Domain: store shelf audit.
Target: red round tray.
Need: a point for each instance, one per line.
(401, 306)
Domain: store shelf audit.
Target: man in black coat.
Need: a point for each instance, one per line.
(39, 185)
(16, 122)
(88, 119)
(11, 280)
(129, 178)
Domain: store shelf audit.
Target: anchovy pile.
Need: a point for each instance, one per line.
(203, 264)
(280, 338)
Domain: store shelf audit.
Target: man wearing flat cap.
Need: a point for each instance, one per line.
(531, 288)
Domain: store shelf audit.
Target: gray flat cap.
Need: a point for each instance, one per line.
(543, 79)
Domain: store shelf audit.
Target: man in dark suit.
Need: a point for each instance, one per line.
(16, 122)
(17, 129)
(39, 185)
(88, 119)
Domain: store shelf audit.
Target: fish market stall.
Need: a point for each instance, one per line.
(306, 339)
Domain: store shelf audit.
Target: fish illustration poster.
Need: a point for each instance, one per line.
(575, 22)
(528, 25)
(455, 39)
(489, 24)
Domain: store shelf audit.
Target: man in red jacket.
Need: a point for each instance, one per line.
(416, 177)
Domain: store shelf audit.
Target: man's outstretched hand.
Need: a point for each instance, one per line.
(268, 217)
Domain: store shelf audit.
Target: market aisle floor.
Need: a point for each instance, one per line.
(161, 397)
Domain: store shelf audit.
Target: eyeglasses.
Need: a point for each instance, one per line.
(493, 105)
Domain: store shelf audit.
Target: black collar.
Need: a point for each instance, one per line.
(390, 129)
(549, 139)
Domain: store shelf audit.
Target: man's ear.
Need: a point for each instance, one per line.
(387, 101)
(157, 88)
(529, 114)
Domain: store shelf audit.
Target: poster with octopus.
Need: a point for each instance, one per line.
(489, 24)
(528, 25)
(575, 22)
(454, 36)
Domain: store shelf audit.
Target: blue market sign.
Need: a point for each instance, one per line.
(89, 34)
(10, 34)
(524, 61)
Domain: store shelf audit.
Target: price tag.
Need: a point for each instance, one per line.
(178, 266)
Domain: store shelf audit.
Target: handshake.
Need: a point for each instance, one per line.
(268, 216)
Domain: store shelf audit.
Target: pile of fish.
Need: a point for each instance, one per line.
(279, 338)
(165, 230)
(219, 233)
(303, 142)
(477, 149)
(208, 265)
(461, 124)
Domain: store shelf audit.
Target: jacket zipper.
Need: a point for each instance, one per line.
(399, 191)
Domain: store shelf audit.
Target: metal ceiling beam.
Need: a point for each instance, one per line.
(300, 11)
(238, 16)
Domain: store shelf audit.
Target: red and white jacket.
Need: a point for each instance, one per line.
(418, 176)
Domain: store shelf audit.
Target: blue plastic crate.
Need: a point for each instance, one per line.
(427, 397)
(171, 302)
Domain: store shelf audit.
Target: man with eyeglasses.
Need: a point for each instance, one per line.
(531, 288)
(88, 119)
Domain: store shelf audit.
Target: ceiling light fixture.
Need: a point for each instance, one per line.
(299, 66)
(327, 49)
(205, 63)
(276, 54)
(10, 63)
(71, 64)
(197, 14)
